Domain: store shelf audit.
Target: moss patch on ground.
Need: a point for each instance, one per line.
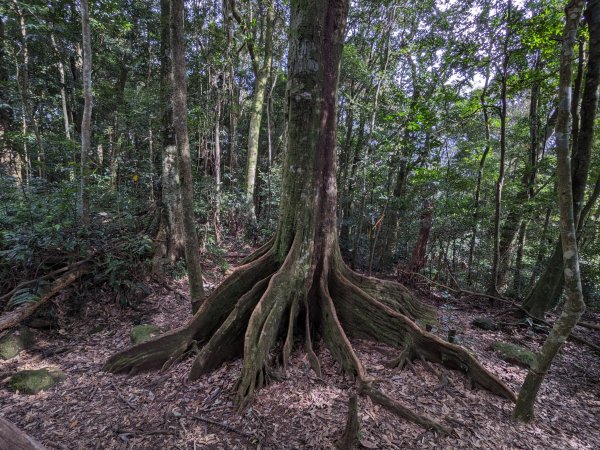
(514, 354)
(14, 343)
(34, 381)
(143, 333)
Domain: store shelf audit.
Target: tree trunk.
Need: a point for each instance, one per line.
(417, 260)
(63, 88)
(574, 305)
(190, 238)
(297, 283)
(12, 438)
(484, 154)
(547, 290)
(86, 144)
(493, 287)
(217, 167)
(170, 234)
(261, 73)
(25, 91)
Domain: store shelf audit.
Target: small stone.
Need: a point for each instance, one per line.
(14, 343)
(484, 324)
(143, 333)
(34, 381)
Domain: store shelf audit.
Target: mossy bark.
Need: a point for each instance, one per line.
(297, 284)
(179, 98)
(548, 288)
(574, 305)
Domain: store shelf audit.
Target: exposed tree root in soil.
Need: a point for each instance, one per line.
(264, 305)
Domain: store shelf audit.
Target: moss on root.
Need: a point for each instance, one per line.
(143, 333)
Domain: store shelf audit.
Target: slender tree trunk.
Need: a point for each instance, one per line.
(25, 91)
(170, 233)
(517, 280)
(86, 144)
(514, 219)
(484, 155)
(546, 292)
(261, 74)
(493, 288)
(417, 260)
(217, 167)
(574, 305)
(179, 83)
(63, 88)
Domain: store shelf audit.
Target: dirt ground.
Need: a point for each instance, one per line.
(95, 410)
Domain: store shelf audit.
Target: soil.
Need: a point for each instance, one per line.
(91, 409)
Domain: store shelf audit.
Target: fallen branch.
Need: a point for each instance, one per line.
(16, 316)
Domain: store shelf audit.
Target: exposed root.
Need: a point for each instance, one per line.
(394, 295)
(335, 338)
(313, 359)
(263, 301)
(404, 358)
(158, 352)
(349, 439)
(289, 285)
(400, 410)
(228, 341)
(364, 316)
(289, 338)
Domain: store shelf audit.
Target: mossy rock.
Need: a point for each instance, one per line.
(143, 333)
(14, 343)
(34, 381)
(514, 354)
(484, 324)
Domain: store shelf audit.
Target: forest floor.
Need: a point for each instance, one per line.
(91, 409)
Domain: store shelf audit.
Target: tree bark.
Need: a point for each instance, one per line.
(417, 260)
(261, 77)
(12, 438)
(493, 287)
(86, 144)
(170, 235)
(192, 256)
(574, 305)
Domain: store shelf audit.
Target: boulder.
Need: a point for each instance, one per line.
(514, 354)
(484, 324)
(15, 342)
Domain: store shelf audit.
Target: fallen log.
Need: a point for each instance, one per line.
(17, 315)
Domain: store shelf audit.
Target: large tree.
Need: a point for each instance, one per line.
(297, 283)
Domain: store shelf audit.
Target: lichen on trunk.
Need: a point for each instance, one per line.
(298, 284)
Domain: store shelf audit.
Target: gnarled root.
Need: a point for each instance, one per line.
(263, 301)
(162, 350)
